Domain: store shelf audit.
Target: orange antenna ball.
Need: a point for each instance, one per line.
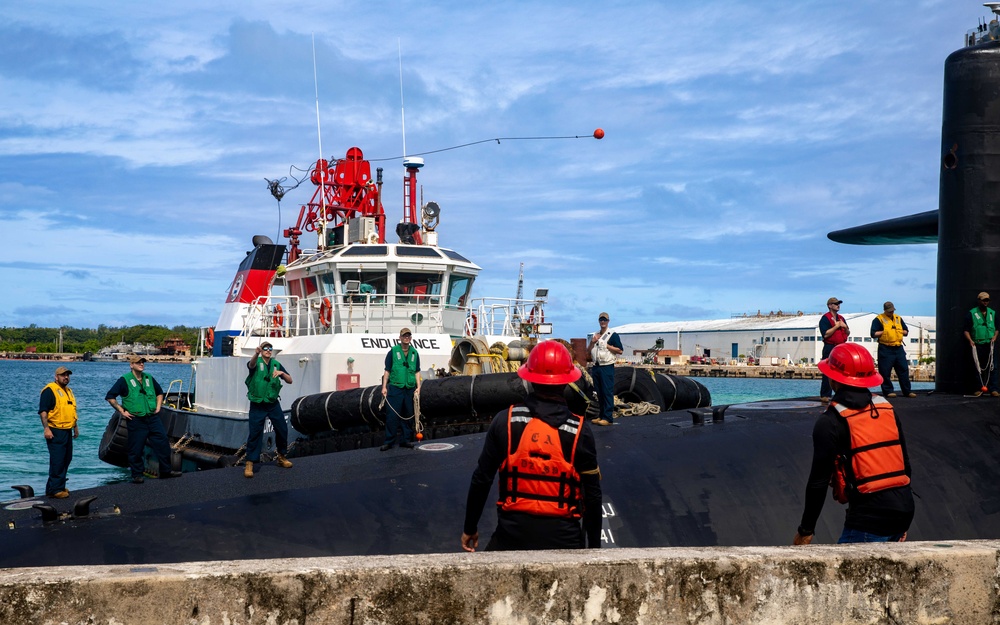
(420, 436)
(599, 134)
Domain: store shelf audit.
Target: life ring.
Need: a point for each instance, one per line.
(278, 318)
(531, 316)
(473, 323)
(324, 312)
(210, 338)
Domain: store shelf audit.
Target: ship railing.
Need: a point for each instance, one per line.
(273, 316)
(290, 315)
(498, 316)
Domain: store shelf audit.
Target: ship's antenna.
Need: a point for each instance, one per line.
(322, 172)
(402, 107)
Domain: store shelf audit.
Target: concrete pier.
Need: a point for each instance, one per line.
(946, 582)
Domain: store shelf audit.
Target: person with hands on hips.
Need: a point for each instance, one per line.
(263, 390)
(142, 398)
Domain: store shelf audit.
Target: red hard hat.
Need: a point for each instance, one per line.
(851, 364)
(549, 363)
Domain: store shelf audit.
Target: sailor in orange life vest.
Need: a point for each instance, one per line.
(834, 330)
(549, 478)
(859, 443)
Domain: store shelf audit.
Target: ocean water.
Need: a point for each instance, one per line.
(24, 457)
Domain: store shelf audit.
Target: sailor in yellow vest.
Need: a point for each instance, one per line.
(981, 333)
(890, 331)
(57, 408)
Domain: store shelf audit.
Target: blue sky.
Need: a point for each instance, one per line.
(135, 139)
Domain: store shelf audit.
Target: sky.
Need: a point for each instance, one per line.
(135, 140)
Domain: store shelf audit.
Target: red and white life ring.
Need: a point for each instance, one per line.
(210, 339)
(473, 323)
(531, 316)
(324, 312)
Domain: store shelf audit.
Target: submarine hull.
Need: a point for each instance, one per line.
(666, 482)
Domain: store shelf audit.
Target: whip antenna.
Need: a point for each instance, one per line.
(320, 170)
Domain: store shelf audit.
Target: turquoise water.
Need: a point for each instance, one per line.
(24, 457)
(739, 390)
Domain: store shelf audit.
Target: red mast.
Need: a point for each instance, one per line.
(344, 191)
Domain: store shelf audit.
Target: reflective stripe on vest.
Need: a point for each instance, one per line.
(536, 477)
(983, 326)
(63, 415)
(141, 398)
(876, 454)
(892, 330)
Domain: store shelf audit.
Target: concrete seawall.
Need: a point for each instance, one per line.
(950, 582)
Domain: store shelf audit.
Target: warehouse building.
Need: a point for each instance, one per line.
(772, 338)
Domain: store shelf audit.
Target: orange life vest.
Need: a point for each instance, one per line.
(536, 477)
(875, 460)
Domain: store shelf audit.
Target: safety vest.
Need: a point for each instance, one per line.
(403, 373)
(875, 459)
(536, 477)
(141, 398)
(838, 337)
(892, 330)
(263, 387)
(63, 416)
(983, 326)
(600, 352)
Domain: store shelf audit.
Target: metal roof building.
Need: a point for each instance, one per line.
(791, 337)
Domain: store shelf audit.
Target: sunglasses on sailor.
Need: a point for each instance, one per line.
(266, 349)
(406, 336)
(984, 299)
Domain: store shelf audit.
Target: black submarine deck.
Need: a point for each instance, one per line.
(667, 481)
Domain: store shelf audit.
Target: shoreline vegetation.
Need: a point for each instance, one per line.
(37, 343)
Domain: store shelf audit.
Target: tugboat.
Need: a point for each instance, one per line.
(333, 311)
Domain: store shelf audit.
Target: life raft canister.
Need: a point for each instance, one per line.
(536, 477)
(875, 460)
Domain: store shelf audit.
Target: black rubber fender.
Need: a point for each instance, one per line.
(633, 385)
(681, 393)
(114, 443)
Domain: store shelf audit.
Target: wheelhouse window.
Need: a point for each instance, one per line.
(369, 282)
(458, 290)
(418, 283)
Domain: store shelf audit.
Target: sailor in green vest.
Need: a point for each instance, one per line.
(142, 399)
(981, 333)
(263, 387)
(400, 380)
(57, 408)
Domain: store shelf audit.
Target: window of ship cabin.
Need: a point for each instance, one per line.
(415, 286)
(458, 290)
(373, 282)
(328, 283)
(309, 287)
